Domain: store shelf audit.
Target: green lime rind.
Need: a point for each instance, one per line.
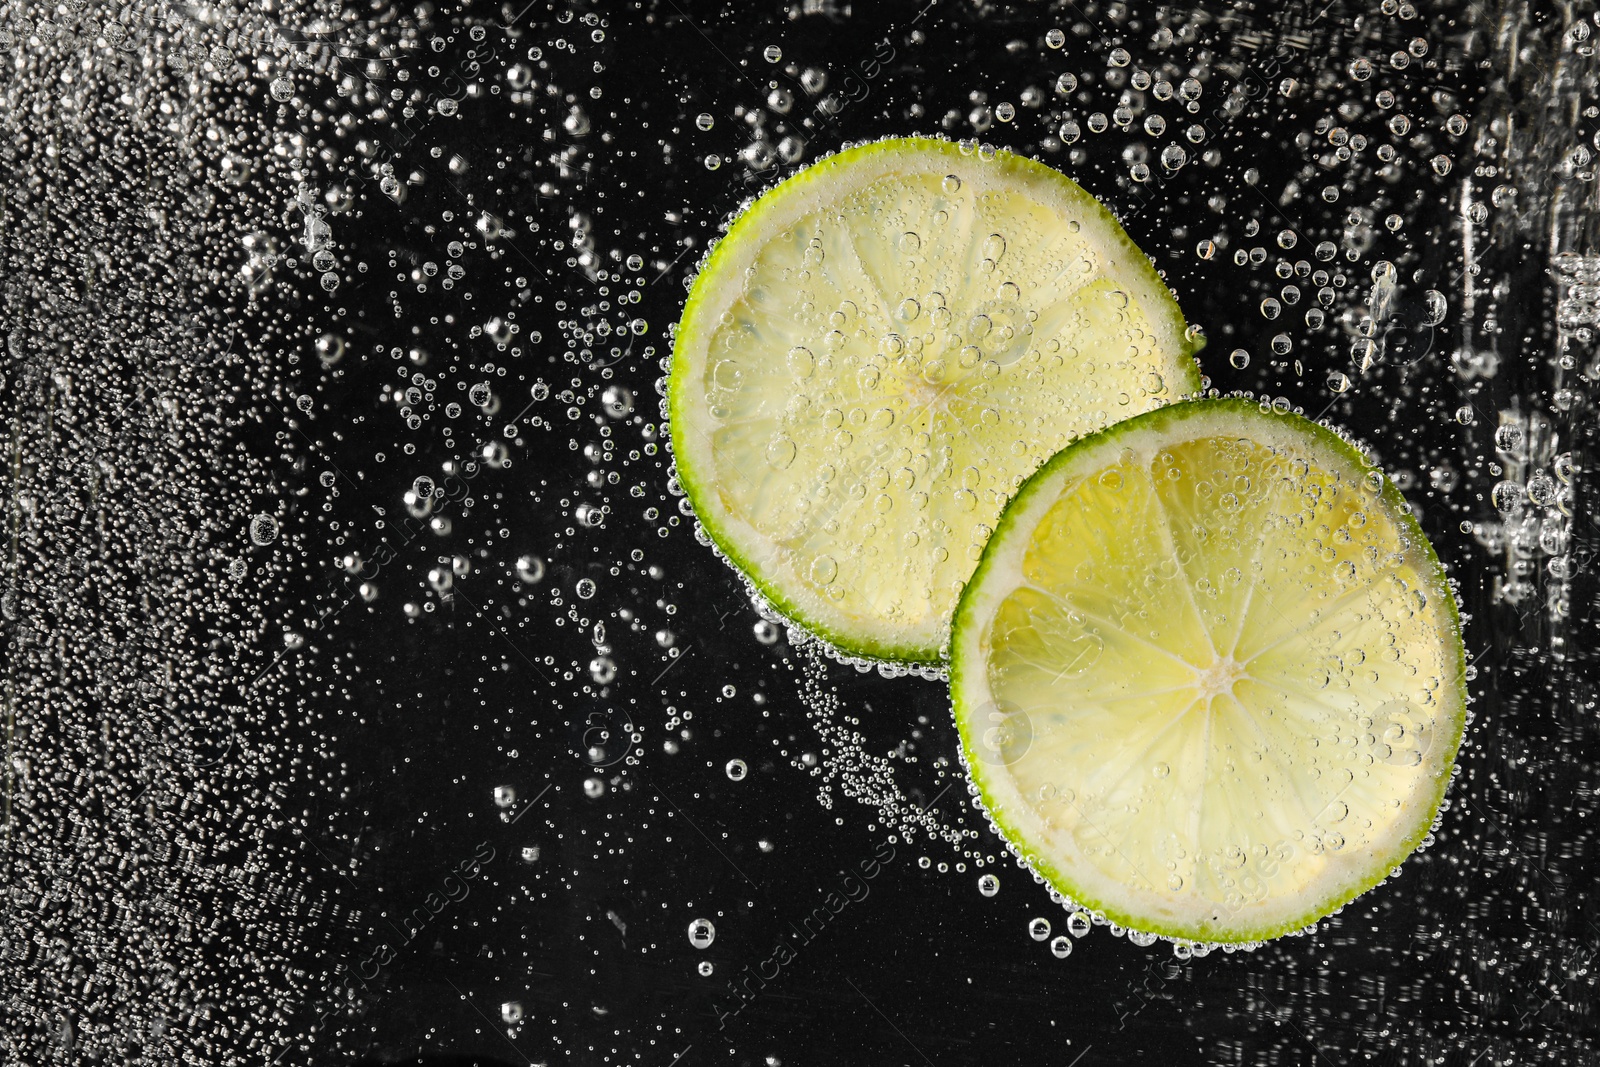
(693, 334)
(967, 624)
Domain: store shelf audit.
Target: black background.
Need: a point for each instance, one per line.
(1475, 955)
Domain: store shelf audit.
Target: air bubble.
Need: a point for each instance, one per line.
(702, 933)
(1434, 307)
(617, 401)
(1507, 496)
(263, 529)
(1508, 438)
(781, 452)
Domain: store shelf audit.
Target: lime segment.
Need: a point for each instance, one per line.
(876, 356)
(1209, 675)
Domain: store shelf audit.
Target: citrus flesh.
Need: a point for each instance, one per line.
(1209, 675)
(880, 351)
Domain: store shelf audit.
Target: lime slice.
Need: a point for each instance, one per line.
(1209, 675)
(877, 355)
